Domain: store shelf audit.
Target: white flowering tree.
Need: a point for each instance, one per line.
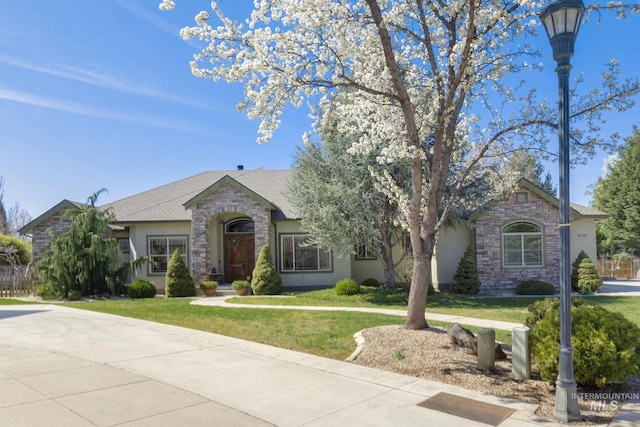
(420, 82)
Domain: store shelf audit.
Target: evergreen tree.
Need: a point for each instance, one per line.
(532, 169)
(574, 270)
(265, 279)
(466, 280)
(178, 282)
(80, 258)
(336, 196)
(618, 194)
(584, 276)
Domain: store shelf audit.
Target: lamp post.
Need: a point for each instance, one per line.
(562, 19)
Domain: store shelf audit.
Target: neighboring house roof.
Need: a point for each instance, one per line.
(63, 205)
(170, 202)
(576, 210)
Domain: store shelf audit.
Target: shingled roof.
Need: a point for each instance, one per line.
(166, 203)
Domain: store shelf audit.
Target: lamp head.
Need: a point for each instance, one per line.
(561, 20)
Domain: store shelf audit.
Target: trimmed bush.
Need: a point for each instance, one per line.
(208, 284)
(466, 280)
(240, 284)
(535, 287)
(584, 275)
(178, 282)
(371, 282)
(347, 287)
(265, 278)
(142, 289)
(604, 342)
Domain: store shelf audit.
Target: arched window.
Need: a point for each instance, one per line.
(240, 226)
(522, 244)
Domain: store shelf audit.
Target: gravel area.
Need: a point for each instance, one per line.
(429, 354)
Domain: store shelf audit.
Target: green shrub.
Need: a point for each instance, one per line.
(584, 275)
(371, 282)
(22, 248)
(142, 289)
(74, 295)
(535, 287)
(240, 284)
(431, 291)
(604, 345)
(178, 282)
(208, 284)
(265, 278)
(347, 287)
(46, 292)
(466, 280)
(540, 308)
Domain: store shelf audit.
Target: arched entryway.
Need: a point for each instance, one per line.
(239, 249)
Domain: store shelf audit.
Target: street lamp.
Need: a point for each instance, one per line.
(562, 19)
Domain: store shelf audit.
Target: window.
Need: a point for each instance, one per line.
(240, 226)
(522, 245)
(125, 247)
(298, 255)
(162, 247)
(364, 253)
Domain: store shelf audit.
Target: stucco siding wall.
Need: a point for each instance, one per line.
(340, 266)
(138, 238)
(488, 236)
(452, 242)
(363, 269)
(583, 237)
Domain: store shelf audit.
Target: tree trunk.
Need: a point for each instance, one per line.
(420, 276)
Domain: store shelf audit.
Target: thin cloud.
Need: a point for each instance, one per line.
(84, 110)
(105, 80)
(154, 19)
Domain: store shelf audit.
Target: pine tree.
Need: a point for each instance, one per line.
(265, 279)
(618, 194)
(178, 282)
(466, 280)
(588, 278)
(574, 270)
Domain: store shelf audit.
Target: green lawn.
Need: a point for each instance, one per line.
(509, 309)
(327, 334)
(11, 301)
(324, 333)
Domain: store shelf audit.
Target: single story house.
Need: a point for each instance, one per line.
(219, 220)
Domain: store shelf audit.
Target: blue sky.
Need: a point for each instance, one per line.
(98, 94)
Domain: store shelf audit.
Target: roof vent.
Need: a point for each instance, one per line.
(240, 167)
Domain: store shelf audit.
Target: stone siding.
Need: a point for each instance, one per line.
(225, 199)
(40, 234)
(488, 235)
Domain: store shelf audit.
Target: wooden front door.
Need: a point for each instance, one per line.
(239, 256)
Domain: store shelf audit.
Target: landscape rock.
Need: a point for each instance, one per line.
(462, 337)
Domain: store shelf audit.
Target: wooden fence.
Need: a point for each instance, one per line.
(13, 283)
(622, 269)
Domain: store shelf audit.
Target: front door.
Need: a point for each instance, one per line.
(239, 256)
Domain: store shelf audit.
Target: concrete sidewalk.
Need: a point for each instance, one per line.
(65, 367)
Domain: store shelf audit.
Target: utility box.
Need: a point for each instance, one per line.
(521, 353)
(486, 349)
